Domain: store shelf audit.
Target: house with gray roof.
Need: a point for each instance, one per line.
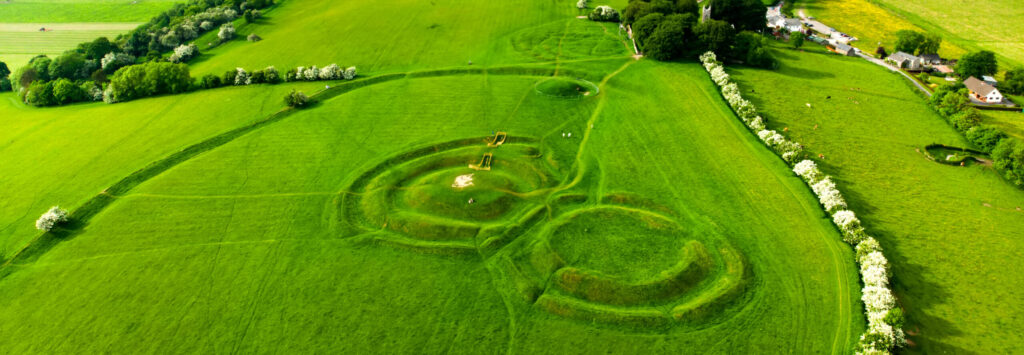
(904, 61)
(982, 91)
(844, 49)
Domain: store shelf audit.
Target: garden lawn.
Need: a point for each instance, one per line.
(254, 247)
(952, 234)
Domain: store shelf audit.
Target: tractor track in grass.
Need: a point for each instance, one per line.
(81, 215)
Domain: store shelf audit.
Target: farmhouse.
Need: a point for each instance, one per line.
(983, 91)
(904, 61)
(793, 25)
(931, 59)
(843, 49)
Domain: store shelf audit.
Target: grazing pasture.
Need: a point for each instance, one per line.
(64, 155)
(992, 25)
(342, 219)
(951, 233)
(871, 24)
(1008, 121)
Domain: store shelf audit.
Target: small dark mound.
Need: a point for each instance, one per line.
(566, 88)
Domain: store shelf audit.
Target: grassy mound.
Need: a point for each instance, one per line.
(565, 88)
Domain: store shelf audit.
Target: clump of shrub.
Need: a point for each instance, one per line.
(254, 38)
(148, 79)
(296, 99)
(227, 32)
(604, 13)
(51, 218)
(184, 53)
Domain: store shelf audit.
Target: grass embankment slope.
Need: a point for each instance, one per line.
(337, 227)
(951, 233)
(64, 155)
(871, 24)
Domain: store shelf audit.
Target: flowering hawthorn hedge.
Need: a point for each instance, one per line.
(883, 333)
(746, 111)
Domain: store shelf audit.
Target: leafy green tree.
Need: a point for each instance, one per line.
(1013, 82)
(930, 45)
(687, 7)
(296, 99)
(977, 64)
(1008, 157)
(636, 10)
(210, 81)
(796, 39)
(985, 137)
(895, 318)
(40, 93)
(98, 48)
(746, 15)
(644, 28)
(667, 41)
(65, 91)
(41, 64)
(908, 41)
(4, 70)
(69, 65)
(152, 78)
(5, 84)
(714, 35)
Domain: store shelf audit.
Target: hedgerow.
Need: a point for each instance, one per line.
(885, 320)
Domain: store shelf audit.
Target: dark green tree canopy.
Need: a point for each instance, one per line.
(977, 64)
(715, 35)
(746, 15)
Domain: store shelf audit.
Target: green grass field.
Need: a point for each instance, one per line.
(19, 42)
(59, 11)
(871, 24)
(951, 233)
(991, 25)
(628, 210)
(1010, 122)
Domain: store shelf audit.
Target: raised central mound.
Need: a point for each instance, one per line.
(566, 88)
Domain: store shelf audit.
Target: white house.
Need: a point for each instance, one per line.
(983, 91)
(793, 25)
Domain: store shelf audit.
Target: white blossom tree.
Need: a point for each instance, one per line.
(51, 218)
(227, 32)
(582, 4)
(349, 73)
(242, 77)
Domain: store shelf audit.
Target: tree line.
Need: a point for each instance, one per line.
(86, 72)
(667, 30)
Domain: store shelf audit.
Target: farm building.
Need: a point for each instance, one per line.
(983, 91)
(988, 79)
(843, 49)
(793, 25)
(931, 59)
(905, 61)
(944, 69)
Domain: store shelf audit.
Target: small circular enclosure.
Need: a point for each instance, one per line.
(566, 88)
